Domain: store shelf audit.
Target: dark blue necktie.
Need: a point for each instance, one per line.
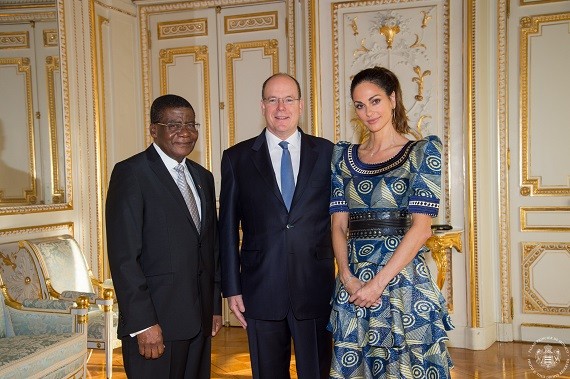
(287, 178)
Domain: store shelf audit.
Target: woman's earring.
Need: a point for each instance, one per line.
(394, 115)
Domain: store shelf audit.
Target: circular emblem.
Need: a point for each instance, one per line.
(548, 357)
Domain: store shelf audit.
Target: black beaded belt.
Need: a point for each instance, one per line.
(376, 223)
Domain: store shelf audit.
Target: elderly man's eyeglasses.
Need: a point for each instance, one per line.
(273, 101)
(176, 127)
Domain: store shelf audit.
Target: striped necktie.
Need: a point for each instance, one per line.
(187, 195)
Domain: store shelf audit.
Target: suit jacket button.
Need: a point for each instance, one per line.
(289, 226)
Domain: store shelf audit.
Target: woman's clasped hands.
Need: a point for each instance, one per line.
(363, 294)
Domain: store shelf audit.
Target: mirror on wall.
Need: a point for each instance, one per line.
(34, 138)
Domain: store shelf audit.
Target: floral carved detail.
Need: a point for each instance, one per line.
(20, 275)
(420, 81)
(389, 32)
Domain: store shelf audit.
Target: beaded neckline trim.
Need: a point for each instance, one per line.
(356, 165)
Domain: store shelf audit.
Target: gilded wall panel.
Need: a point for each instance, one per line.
(549, 219)
(182, 28)
(544, 53)
(235, 52)
(250, 22)
(14, 40)
(185, 71)
(541, 263)
(40, 105)
(56, 142)
(17, 170)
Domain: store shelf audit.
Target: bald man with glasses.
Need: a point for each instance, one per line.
(279, 281)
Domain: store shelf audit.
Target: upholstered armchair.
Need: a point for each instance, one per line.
(40, 343)
(67, 276)
(55, 268)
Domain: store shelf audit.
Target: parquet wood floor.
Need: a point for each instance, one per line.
(230, 360)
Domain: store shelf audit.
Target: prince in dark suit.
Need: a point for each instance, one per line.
(163, 250)
(280, 280)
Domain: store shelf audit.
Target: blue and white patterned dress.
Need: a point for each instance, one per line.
(404, 336)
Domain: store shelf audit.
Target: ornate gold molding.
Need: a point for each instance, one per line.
(538, 228)
(50, 38)
(530, 26)
(59, 14)
(65, 104)
(233, 52)
(182, 28)
(314, 92)
(533, 2)
(30, 193)
(63, 228)
(14, 40)
(532, 301)
(471, 180)
(201, 55)
(250, 22)
(502, 120)
(27, 17)
(537, 325)
(103, 5)
(52, 66)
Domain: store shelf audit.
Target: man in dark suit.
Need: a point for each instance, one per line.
(280, 280)
(163, 250)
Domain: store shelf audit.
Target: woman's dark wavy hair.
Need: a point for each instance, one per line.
(164, 102)
(388, 81)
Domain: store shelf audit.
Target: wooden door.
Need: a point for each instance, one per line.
(539, 185)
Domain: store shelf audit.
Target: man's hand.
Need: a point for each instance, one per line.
(151, 345)
(237, 307)
(216, 324)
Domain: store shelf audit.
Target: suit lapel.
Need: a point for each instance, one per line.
(262, 162)
(157, 166)
(306, 164)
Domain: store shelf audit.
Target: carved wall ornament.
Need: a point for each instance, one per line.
(419, 127)
(250, 22)
(418, 43)
(14, 40)
(354, 27)
(361, 50)
(51, 38)
(419, 80)
(183, 28)
(426, 19)
(389, 32)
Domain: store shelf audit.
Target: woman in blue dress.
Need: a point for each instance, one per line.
(389, 319)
